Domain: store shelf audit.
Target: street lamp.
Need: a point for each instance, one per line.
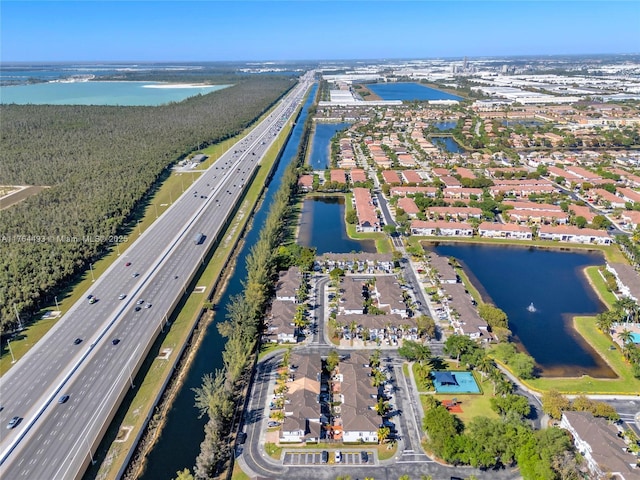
(93, 278)
(13, 359)
(139, 231)
(15, 307)
(56, 300)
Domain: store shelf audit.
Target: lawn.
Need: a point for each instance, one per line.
(600, 286)
(611, 252)
(625, 384)
(472, 405)
(383, 243)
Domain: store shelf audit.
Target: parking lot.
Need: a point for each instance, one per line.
(315, 458)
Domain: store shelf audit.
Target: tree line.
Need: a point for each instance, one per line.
(221, 395)
(102, 163)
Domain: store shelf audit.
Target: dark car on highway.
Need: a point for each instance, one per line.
(77, 341)
(13, 422)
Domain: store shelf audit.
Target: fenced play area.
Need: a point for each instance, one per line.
(455, 382)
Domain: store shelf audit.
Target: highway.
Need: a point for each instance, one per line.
(55, 440)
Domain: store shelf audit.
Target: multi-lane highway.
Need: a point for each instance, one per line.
(55, 440)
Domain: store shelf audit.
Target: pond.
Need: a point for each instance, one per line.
(515, 278)
(322, 226)
(447, 143)
(319, 159)
(409, 91)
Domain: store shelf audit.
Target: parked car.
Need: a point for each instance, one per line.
(242, 437)
(325, 456)
(338, 456)
(273, 424)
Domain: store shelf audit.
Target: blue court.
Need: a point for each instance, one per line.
(454, 382)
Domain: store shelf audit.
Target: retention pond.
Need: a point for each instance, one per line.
(540, 290)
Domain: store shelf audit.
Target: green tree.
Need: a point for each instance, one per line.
(184, 475)
(414, 351)
(511, 403)
(494, 316)
(523, 365)
(383, 434)
(426, 326)
(333, 359)
(554, 403)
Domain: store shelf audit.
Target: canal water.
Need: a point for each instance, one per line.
(319, 159)
(409, 91)
(183, 433)
(513, 278)
(322, 226)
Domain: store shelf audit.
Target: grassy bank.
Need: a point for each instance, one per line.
(625, 384)
(611, 252)
(383, 244)
(599, 285)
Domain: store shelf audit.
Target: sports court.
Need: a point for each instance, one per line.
(455, 382)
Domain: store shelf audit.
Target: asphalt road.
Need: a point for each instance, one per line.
(55, 440)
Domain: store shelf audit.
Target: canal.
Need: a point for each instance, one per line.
(553, 281)
(179, 444)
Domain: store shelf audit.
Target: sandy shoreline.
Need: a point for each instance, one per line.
(184, 85)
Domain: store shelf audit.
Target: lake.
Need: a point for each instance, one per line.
(319, 159)
(409, 91)
(514, 277)
(322, 226)
(447, 143)
(101, 93)
(442, 126)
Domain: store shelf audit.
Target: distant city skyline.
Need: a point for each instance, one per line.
(50, 31)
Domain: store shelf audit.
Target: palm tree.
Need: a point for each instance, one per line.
(503, 387)
(374, 358)
(484, 366)
(626, 306)
(383, 434)
(604, 321)
(382, 407)
(625, 336)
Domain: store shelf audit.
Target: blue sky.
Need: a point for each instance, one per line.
(311, 30)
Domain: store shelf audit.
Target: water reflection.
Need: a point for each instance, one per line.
(514, 278)
(322, 226)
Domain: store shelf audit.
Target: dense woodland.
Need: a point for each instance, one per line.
(100, 162)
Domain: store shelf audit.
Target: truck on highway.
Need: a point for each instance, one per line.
(199, 238)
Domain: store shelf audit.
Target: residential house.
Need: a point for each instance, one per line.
(441, 228)
(600, 444)
(572, 234)
(504, 230)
